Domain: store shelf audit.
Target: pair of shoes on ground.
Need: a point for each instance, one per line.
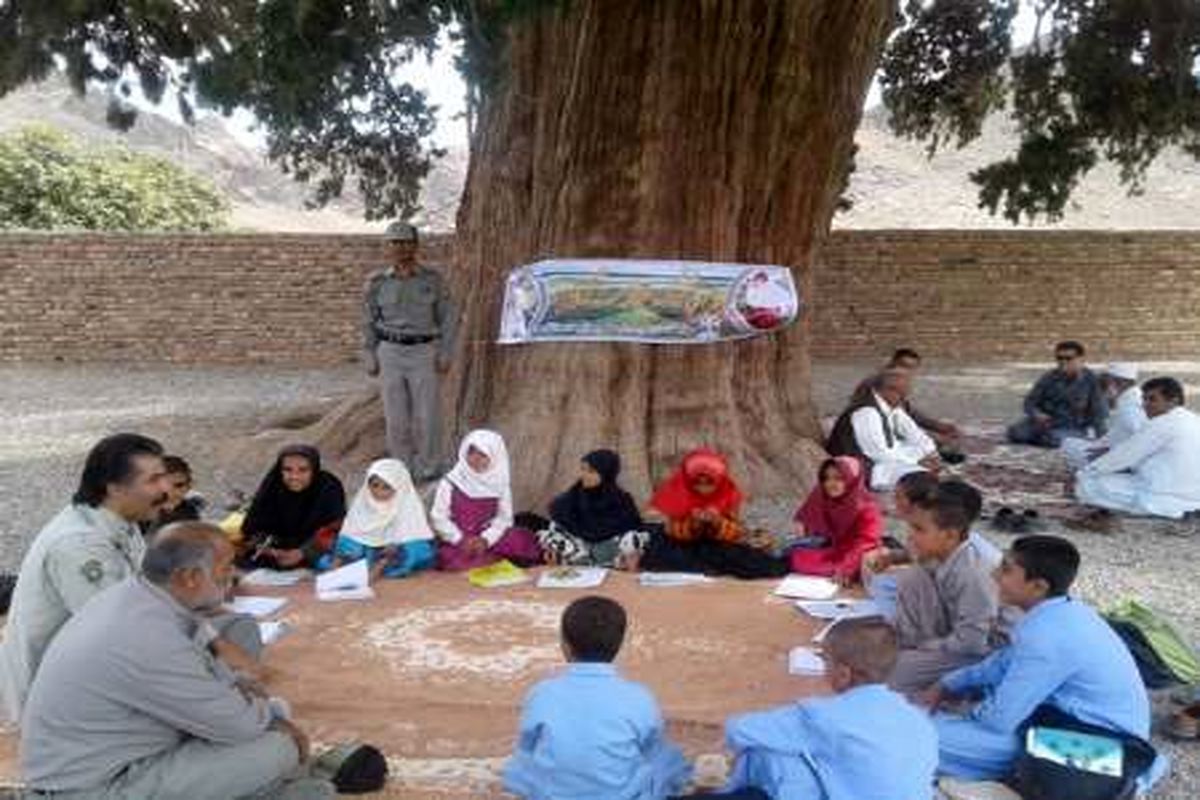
(1010, 521)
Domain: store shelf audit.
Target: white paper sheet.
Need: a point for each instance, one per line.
(272, 631)
(274, 577)
(806, 587)
(672, 579)
(351, 582)
(572, 578)
(838, 609)
(257, 607)
(805, 661)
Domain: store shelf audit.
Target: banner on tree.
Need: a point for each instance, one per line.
(655, 302)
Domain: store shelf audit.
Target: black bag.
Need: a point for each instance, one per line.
(1039, 779)
(1154, 672)
(353, 768)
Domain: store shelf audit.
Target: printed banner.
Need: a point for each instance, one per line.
(656, 302)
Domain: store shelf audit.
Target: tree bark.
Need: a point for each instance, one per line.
(700, 129)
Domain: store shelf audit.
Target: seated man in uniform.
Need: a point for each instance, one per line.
(130, 702)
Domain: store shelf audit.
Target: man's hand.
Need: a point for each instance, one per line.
(298, 736)
(371, 362)
(931, 462)
(1042, 421)
(442, 363)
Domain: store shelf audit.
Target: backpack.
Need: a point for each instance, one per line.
(1175, 655)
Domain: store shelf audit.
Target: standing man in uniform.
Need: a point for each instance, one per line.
(409, 324)
(92, 544)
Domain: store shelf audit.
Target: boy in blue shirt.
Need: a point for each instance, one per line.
(866, 742)
(589, 734)
(1062, 654)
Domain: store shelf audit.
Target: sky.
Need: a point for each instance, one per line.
(446, 90)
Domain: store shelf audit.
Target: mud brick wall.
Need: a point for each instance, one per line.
(295, 299)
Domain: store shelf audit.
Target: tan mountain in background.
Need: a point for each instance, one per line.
(894, 185)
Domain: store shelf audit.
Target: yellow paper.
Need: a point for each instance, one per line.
(502, 573)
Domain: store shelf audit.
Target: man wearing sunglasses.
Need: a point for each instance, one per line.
(1066, 401)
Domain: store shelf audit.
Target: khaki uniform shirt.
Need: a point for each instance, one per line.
(419, 305)
(80, 552)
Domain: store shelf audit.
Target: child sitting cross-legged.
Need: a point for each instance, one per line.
(589, 734)
(946, 605)
(1065, 663)
(386, 525)
(863, 742)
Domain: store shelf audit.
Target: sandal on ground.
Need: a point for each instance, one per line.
(1185, 723)
(1096, 522)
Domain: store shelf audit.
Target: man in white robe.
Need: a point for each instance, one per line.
(1156, 471)
(1127, 418)
(886, 435)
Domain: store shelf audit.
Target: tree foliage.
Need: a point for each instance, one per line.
(1104, 78)
(49, 182)
(1118, 79)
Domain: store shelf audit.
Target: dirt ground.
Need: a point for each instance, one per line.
(434, 670)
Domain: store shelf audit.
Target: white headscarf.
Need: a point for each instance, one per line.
(493, 482)
(400, 519)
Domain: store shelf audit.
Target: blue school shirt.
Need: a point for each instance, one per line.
(1063, 653)
(589, 734)
(868, 743)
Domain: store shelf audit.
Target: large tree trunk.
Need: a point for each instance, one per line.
(703, 129)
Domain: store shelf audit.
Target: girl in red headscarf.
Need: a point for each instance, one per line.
(700, 501)
(841, 511)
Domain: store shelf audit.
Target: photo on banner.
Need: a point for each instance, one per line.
(652, 302)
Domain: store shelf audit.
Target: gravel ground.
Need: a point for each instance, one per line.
(50, 416)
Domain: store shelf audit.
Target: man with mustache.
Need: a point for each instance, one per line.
(131, 702)
(90, 545)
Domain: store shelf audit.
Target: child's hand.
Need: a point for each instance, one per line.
(877, 560)
(932, 698)
(476, 545)
(844, 579)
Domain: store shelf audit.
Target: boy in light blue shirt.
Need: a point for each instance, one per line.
(865, 742)
(1063, 654)
(589, 734)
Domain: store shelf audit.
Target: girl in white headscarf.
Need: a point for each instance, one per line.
(473, 511)
(386, 524)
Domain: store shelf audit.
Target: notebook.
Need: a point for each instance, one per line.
(572, 578)
(502, 573)
(351, 582)
(805, 661)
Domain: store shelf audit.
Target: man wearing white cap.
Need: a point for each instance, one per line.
(1124, 395)
(1156, 471)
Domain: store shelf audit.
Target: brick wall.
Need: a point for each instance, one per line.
(295, 298)
(1009, 294)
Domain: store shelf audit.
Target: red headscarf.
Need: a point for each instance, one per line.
(675, 497)
(835, 517)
